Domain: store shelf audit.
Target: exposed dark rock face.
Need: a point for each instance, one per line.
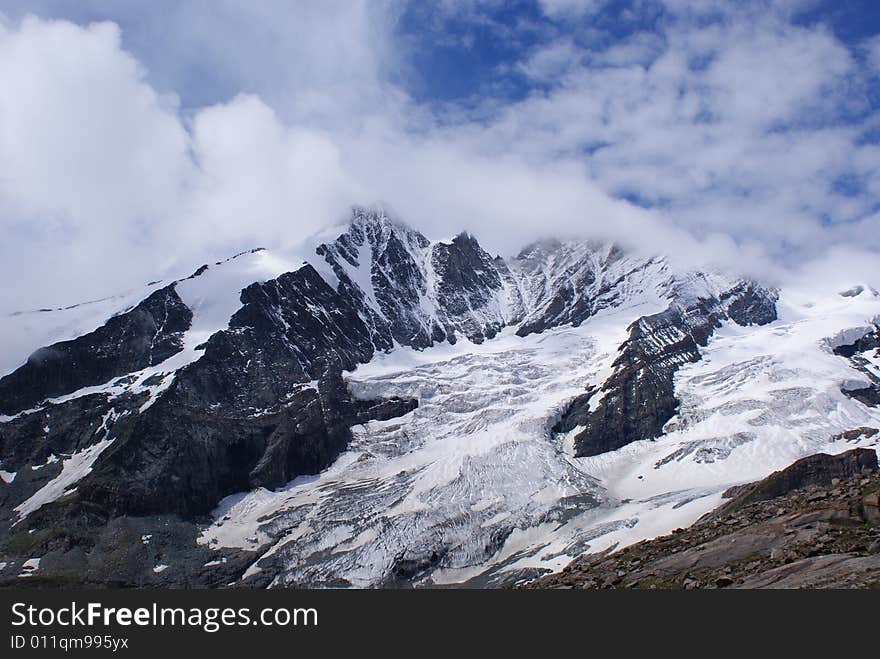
(576, 414)
(639, 397)
(183, 461)
(468, 279)
(242, 415)
(869, 341)
(749, 304)
(55, 430)
(869, 395)
(383, 410)
(571, 283)
(425, 293)
(819, 469)
(563, 303)
(805, 528)
(411, 564)
(80, 546)
(289, 330)
(35, 445)
(383, 257)
(855, 434)
(147, 334)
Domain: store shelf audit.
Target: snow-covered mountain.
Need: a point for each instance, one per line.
(401, 411)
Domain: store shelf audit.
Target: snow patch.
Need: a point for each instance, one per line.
(73, 469)
(29, 567)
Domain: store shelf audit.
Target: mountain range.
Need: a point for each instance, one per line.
(394, 411)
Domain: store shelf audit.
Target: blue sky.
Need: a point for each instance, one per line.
(154, 135)
(459, 51)
(459, 56)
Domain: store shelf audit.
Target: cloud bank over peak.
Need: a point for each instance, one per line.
(137, 142)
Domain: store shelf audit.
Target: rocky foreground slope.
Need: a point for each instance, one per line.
(815, 524)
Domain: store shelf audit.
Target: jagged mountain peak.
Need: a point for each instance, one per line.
(462, 238)
(376, 224)
(550, 247)
(538, 248)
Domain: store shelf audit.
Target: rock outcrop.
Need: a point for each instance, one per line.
(864, 355)
(148, 334)
(639, 397)
(819, 469)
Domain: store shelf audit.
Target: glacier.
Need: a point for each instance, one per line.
(473, 487)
